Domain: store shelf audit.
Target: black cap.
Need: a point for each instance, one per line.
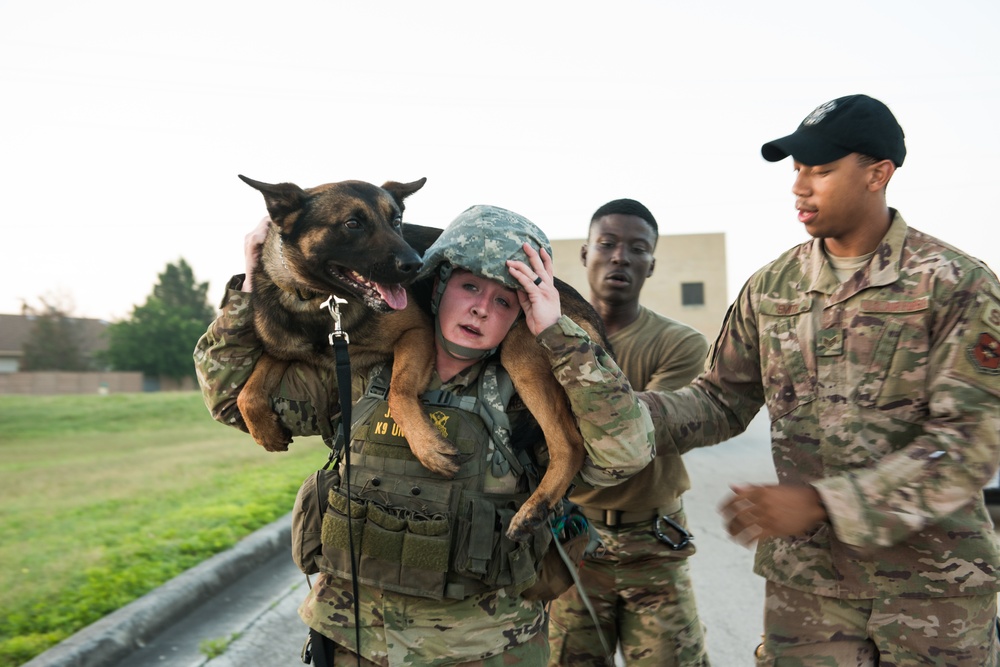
(852, 124)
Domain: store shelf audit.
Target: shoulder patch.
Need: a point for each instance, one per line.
(985, 354)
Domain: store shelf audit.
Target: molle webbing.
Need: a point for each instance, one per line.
(423, 534)
(493, 394)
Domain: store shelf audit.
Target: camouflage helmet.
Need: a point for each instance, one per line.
(481, 240)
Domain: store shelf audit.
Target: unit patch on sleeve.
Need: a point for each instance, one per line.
(985, 354)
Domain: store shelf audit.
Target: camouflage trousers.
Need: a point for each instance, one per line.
(806, 630)
(529, 654)
(642, 593)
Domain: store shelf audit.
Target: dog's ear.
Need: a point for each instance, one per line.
(401, 191)
(282, 199)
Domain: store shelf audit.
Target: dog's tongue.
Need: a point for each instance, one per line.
(393, 295)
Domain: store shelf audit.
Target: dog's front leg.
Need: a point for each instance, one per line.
(412, 366)
(254, 403)
(545, 398)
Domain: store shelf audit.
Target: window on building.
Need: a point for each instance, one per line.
(692, 294)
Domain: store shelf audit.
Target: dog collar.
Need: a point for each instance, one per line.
(302, 295)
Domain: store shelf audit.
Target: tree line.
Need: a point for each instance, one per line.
(157, 338)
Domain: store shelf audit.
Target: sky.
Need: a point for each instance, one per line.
(125, 124)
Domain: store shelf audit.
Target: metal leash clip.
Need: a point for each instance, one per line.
(332, 304)
(685, 536)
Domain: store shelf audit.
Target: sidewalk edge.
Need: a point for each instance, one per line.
(118, 634)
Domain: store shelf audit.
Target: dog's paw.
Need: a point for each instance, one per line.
(434, 452)
(278, 446)
(443, 461)
(271, 435)
(526, 520)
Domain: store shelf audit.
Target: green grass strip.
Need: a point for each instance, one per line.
(104, 498)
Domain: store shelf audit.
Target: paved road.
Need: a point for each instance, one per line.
(730, 596)
(253, 619)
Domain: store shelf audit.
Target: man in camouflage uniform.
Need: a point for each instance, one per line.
(875, 349)
(478, 261)
(639, 585)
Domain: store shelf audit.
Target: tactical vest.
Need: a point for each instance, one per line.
(418, 533)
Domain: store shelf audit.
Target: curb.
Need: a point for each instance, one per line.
(120, 633)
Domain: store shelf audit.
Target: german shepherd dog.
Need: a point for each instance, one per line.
(347, 239)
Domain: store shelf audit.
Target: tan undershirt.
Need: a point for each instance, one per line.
(843, 268)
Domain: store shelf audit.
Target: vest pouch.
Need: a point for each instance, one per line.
(555, 578)
(484, 552)
(425, 553)
(522, 568)
(307, 518)
(476, 531)
(405, 551)
(521, 560)
(382, 546)
(338, 530)
(506, 553)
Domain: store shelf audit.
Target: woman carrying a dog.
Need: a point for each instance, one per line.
(438, 581)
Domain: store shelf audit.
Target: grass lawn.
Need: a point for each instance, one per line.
(103, 498)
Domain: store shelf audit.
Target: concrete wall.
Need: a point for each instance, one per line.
(680, 258)
(58, 382)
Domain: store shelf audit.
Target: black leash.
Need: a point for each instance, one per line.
(339, 341)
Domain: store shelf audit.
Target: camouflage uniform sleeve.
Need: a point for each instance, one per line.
(225, 355)
(616, 428)
(945, 466)
(720, 403)
(224, 358)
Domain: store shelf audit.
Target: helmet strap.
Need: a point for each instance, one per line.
(444, 273)
(456, 351)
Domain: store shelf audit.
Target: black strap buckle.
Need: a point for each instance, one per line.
(685, 537)
(307, 655)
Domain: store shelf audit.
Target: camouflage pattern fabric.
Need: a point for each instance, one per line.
(401, 630)
(481, 240)
(529, 654)
(890, 408)
(398, 629)
(230, 359)
(616, 428)
(806, 630)
(642, 592)
(640, 587)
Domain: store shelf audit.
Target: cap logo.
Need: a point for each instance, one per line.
(819, 113)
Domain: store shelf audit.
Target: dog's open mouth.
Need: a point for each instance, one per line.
(376, 295)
